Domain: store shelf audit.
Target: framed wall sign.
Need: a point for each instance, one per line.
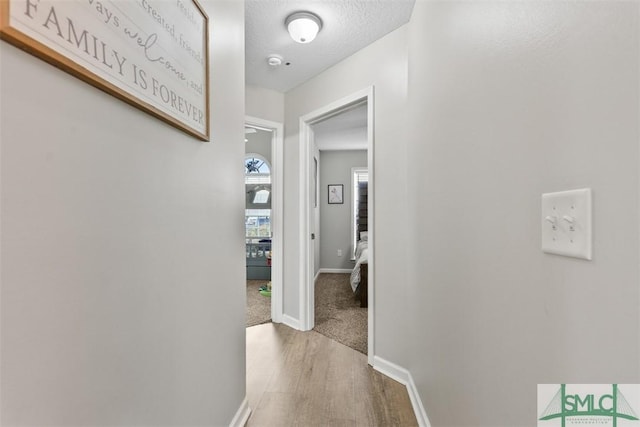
(152, 54)
(335, 194)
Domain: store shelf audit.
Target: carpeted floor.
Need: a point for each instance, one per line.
(338, 312)
(258, 306)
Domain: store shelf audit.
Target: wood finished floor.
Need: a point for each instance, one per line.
(306, 379)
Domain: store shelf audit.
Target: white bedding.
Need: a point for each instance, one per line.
(362, 256)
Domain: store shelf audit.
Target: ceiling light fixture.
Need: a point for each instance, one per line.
(303, 26)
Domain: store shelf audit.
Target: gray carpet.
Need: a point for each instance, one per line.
(338, 312)
(258, 306)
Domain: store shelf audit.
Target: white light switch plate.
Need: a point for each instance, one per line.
(566, 223)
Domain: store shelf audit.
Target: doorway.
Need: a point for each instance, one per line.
(268, 250)
(307, 207)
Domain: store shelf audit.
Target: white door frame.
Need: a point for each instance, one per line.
(277, 211)
(306, 274)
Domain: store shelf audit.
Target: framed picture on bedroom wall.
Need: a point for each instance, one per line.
(335, 194)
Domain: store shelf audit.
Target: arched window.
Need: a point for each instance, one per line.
(258, 185)
(256, 169)
(257, 177)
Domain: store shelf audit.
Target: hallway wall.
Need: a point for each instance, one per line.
(264, 103)
(509, 100)
(122, 249)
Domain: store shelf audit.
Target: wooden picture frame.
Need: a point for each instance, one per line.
(335, 194)
(153, 55)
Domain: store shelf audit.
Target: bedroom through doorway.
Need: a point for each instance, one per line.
(262, 220)
(337, 218)
(340, 300)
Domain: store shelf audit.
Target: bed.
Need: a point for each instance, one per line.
(359, 274)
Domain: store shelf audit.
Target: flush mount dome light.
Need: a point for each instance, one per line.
(303, 26)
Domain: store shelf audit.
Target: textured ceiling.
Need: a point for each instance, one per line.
(348, 26)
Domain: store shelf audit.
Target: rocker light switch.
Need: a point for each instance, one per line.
(566, 223)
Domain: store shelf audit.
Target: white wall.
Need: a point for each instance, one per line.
(264, 104)
(509, 100)
(122, 249)
(384, 65)
(335, 219)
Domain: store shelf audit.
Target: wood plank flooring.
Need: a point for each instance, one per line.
(306, 379)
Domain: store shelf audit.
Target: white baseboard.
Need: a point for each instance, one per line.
(391, 370)
(404, 377)
(416, 402)
(334, 270)
(291, 322)
(241, 417)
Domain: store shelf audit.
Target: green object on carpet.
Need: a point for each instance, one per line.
(265, 293)
(258, 307)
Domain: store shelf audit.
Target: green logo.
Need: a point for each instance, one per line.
(584, 406)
